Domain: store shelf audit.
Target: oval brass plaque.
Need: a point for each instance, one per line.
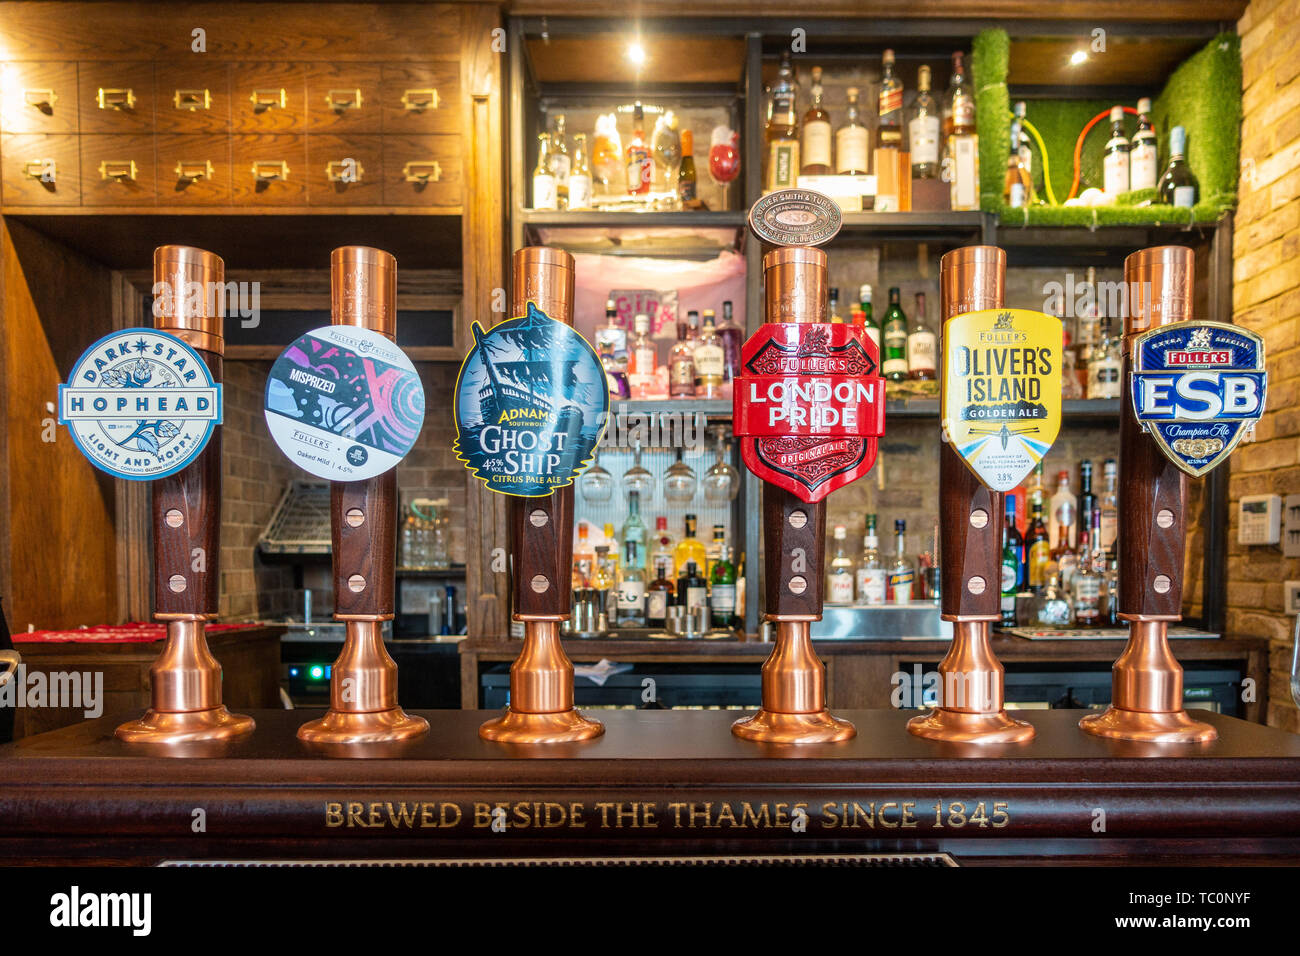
(795, 217)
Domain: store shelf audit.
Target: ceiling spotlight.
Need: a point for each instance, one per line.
(1078, 56)
(636, 53)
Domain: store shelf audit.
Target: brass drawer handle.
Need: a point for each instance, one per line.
(422, 171)
(192, 99)
(420, 100)
(343, 171)
(119, 169)
(269, 170)
(340, 100)
(269, 99)
(43, 100)
(192, 171)
(115, 99)
(43, 169)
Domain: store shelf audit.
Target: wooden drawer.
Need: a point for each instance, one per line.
(325, 158)
(118, 169)
(194, 168)
(406, 156)
(193, 97)
(344, 98)
(268, 98)
(126, 92)
(422, 99)
(266, 151)
(55, 154)
(38, 98)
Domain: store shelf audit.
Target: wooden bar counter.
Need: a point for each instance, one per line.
(658, 783)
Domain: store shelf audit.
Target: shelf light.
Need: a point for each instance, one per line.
(636, 53)
(1078, 56)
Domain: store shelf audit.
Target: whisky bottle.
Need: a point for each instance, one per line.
(961, 150)
(851, 141)
(681, 364)
(1178, 187)
(631, 602)
(901, 574)
(1038, 547)
(923, 130)
(722, 589)
(782, 129)
(709, 359)
(1018, 187)
(890, 122)
(1104, 364)
(870, 576)
(1143, 169)
(1085, 586)
(580, 175)
(921, 345)
(815, 138)
(545, 196)
(893, 364)
(1115, 161)
(659, 594)
(689, 550)
(839, 571)
(1063, 508)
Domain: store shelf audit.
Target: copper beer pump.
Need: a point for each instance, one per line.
(970, 706)
(541, 540)
(363, 519)
(794, 678)
(186, 679)
(1146, 681)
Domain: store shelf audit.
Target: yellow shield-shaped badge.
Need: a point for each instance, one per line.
(1002, 391)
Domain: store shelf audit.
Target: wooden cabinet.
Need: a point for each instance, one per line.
(118, 170)
(193, 169)
(116, 97)
(344, 98)
(193, 97)
(422, 171)
(268, 169)
(39, 98)
(40, 169)
(345, 170)
(421, 98)
(268, 98)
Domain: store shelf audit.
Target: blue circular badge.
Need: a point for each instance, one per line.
(140, 404)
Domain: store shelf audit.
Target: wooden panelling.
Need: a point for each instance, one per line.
(38, 97)
(118, 170)
(181, 157)
(344, 98)
(116, 97)
(40, 169)
(264, 151)
(193, 97)
(434, 155)
(268, 97)
(328, 155)
(421, 97)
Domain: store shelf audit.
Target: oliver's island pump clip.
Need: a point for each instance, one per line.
(808, 407)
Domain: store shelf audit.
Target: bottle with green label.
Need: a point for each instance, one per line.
(893, 363)
(1012, 563)
(722, 596)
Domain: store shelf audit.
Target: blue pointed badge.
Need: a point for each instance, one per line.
(531, 403)
(1197, 388)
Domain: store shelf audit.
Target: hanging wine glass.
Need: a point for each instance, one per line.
(679, 482)
(639, 479)
(667, 145)
(596, 484)
(721, 481)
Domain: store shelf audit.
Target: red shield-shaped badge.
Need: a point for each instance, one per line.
(809, 404)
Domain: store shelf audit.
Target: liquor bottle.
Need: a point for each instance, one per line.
(634, 527)
(898, 582)
(959, 102)
(839, 572)
(1104, 364)
(782, 129)
(1021, 112)
(710, 360)
(630, 610)
(1051, 604)
(1178, 186)
(1115, 161)
(1098, 553)
(934, 576)
(1085, 588)
(921, 345)
(1013, 563)
(851, 141)
(1064, 557)
(1087, 500)
(681, 363)
(645, 358)
(722, 590)
(615, 377)
(640, 165)
(692, 588)
(613, 334)
(604, 580)
(890, 122)
(961, 149)
(1035, 487)
(1111, 587)
(1062, 510)
(1038, 547)
(923, 130)
(893, 363)
(584, 558)
(560, 163)
(661, 549)
(658, 595)
(690, 549)
(545, 195)
(1088, 327)
(869, 322)
(870, 577)
(713, 552)
(833, 307)
(608, 170)
(580, 175)
(733, 337)
(1109, 504)
(815, 138)
(1018, 187)
(686, 171)
(1142, 163)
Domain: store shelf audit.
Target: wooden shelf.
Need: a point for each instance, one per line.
(953, 227)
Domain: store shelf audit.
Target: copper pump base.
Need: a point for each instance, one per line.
(162, 727)
(344, 728)
(955, 726)
(1166, 728)
(541, 680)
(512, 727)
(771, 727)
(794, 695)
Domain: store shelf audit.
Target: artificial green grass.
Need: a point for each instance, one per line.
(1203, 96)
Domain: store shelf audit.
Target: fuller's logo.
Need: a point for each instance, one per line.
(1002, 391)
(1197, 388)
(140, 404)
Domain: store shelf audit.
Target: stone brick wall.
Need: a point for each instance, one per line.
(1266, 299)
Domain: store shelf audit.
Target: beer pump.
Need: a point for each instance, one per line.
(808, 405)
(1194, 390)
(186, 509)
